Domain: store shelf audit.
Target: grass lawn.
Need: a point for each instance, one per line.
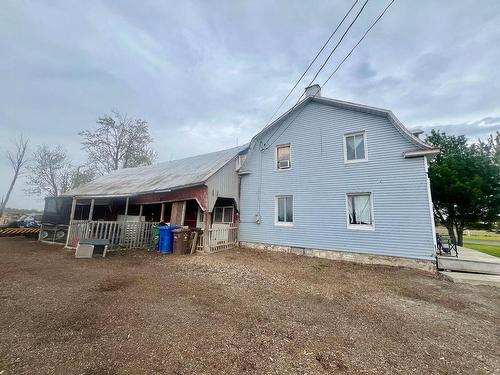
(492, 237)
(487, 249)
(482, 235)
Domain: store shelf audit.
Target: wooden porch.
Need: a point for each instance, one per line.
(128, 222)
(127, 234)
(132, 235)
(470, 261)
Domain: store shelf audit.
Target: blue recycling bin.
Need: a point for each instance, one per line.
(166, 243)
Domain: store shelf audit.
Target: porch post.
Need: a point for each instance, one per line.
(71, 216)
(183, 217)
(206, 231)
(140, 211)
(90, 226)
(124, 225)
(126, 209)
(162, 214)
(91, 211)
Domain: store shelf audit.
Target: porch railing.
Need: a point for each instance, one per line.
(129, 234)
(220, 237)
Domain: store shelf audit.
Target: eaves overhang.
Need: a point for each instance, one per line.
(420, 153)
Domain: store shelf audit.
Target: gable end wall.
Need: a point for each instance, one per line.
(319, 180)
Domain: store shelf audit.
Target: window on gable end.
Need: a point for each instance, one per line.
(355, 147)
(283, 157)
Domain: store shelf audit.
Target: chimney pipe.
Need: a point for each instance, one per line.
(417, 132)
(313, 90)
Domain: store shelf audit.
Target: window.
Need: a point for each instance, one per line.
(223, 215)
(360, 215)
(284, 210)
(51, 205)
(355, 147)
(283, 159)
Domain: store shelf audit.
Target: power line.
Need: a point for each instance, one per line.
(312, 62)
(359, 41)
(331, 75)
(338, 43)
(266, 145)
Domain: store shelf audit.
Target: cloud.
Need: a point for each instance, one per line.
(473, 130)
(204, 74)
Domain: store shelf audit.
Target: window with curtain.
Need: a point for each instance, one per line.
(283, 157)
(355, 147)
(360, 209)
(284, 209)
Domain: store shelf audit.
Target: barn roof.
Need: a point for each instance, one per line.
(160, 177)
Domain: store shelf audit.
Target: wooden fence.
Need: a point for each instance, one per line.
(221, 237)
(133, 234)
(130, 234)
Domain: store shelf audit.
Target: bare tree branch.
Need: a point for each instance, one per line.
(49, 172)
(17, 160)
(118, 142)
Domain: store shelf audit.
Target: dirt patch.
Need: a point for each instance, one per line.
(242, 311)
(331, 363)
(433, 297)
(115, 284)
(99, 370)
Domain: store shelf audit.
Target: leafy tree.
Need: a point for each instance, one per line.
(118, 142)
(491, 147)
(465, 184)
(50, 172)
(17, 160)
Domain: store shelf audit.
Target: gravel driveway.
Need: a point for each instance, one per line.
(241, 311)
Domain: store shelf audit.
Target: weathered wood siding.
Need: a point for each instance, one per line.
(199, 193)
(224, 183)
(319, 180)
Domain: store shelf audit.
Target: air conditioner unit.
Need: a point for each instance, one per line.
(283, 164)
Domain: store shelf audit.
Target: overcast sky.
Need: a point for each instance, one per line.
(208, 75)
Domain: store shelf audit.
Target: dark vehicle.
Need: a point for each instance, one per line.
(55, 219)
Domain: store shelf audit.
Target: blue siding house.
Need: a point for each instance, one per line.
(333, 177)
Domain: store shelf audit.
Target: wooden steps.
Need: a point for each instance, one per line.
(465, 265)
(473, 278)
(470, 261)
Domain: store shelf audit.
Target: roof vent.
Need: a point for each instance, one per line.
(313, 90)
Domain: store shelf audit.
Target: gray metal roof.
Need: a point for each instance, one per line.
(164, 176)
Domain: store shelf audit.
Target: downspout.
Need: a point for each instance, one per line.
(431, 207)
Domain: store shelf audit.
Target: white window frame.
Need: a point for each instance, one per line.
(365, 144)
(360, 226)
(276, 157)
(224, 208)
(283, 223)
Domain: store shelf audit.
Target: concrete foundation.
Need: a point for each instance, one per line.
(424, 265)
